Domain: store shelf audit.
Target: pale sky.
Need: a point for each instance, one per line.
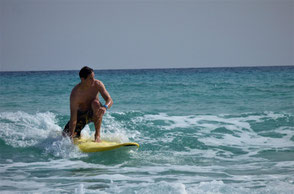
(133, 34)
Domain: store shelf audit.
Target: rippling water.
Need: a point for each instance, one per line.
(217, 130)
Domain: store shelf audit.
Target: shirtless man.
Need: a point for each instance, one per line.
(85, 106)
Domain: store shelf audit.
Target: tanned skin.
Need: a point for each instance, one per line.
(84, 96)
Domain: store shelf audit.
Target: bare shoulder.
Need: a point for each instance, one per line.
(74, 91)
(99, 84)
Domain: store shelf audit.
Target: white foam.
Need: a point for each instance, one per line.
(240, 134)
(61, 147)
(21, 129)
(115, 131)
(80, 189)
(22, 184)
(40, 130)
(237, 122)
(146, 179)
(57, 164)
(166, 171)
(150, 188)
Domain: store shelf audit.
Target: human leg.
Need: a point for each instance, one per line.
(82, 120)
(97, 118)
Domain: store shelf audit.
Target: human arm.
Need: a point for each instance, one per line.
(106, 96)
(102, 109)
(73, 115)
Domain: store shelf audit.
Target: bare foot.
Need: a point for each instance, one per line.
(98, 140)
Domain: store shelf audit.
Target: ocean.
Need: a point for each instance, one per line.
(206, 130)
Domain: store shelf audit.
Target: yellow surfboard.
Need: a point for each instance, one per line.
(88, 145)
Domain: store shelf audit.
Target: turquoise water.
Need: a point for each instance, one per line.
(216, 130)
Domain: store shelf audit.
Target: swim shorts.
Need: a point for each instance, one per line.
(83, 118)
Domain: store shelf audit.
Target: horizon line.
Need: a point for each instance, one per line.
(129, 69)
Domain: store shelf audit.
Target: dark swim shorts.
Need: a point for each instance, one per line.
(83, 118)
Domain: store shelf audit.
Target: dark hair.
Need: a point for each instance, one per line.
(85, 71)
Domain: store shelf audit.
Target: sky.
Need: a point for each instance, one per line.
(134, 34)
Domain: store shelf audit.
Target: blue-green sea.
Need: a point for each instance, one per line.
(206, 130)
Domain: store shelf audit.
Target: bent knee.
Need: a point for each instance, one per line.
(95, 107)
(95, 104)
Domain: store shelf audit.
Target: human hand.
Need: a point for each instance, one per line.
(101, 110)
(72, 136)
